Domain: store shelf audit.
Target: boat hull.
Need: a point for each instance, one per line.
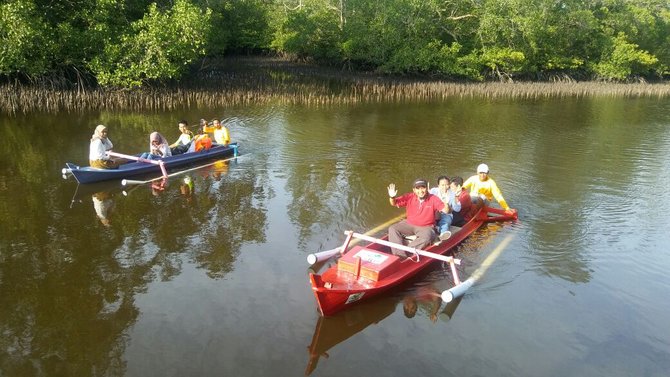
(336, 290)
(89, 175)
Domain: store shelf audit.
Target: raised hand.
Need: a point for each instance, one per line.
(392, 190)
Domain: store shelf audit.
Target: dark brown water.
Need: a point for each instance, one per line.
(212, 279)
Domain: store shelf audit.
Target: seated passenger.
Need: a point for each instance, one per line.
(205, 127)
(483, 188)
(221, 134)
(463, 215)
(420, 207)
(451, 204)
(181, 145)
(158, 147)
(100, 145)
(200, 143)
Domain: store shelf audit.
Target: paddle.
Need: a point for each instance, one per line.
(460, 289)
(126, 182)
(321, 256)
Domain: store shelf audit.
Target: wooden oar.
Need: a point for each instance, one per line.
(126, 182)
(321, 256)
(460, 289)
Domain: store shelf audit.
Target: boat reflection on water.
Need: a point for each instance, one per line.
(425, 297)
(186, 188)
(102, 194)
(103, 203)
(331, 331)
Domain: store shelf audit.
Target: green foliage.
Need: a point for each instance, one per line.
(126, 43)
(503, 62)
(399, 36)
(24, 47)
(160, 46)
(624, 59)
(245, 24)
(311, 30)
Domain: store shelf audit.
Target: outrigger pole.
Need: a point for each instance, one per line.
(321, 256)
(126, 182)
(459, 289)
(417, 252)
(444, 258)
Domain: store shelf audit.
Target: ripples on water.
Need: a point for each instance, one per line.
(586, 268)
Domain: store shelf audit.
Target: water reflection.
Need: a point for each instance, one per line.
(103, 205)
(429, 299)
(331, 331)
(70, 293)
(580, 171)
(186, 188)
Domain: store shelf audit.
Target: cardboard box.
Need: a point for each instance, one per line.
(375, 265)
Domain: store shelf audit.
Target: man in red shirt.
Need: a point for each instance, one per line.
(421, 209)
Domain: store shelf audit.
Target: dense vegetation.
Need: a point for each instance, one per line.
(129, 43)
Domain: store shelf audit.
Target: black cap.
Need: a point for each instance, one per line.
(420, 183)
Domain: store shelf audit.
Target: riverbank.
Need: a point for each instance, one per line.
(254, 80)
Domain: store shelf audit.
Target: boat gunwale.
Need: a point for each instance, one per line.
(88, 175)
(338, 304)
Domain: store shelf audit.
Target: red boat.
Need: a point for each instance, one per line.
(364, 272)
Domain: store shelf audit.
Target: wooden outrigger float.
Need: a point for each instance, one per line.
(364, 272)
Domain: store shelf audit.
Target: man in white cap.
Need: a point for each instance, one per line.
(483, 188)
(421, 208)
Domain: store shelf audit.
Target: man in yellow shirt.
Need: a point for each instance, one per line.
(483, 188)
(221, 135)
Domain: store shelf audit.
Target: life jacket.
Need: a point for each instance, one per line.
(202, 142)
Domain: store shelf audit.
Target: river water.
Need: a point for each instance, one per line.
(211, 279)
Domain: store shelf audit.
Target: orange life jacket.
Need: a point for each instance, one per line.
(202, 142)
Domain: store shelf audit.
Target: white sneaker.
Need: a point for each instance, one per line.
(445, 235)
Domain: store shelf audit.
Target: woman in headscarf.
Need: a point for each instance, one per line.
(97, 154)
(159, 147)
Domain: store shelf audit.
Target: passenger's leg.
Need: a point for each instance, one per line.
(424, 236)
(396, 233)
(445, 233)
(443, 223)
(458, 219)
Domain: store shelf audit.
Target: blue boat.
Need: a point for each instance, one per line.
(87, 174)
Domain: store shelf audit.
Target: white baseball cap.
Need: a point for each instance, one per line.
(482, 168)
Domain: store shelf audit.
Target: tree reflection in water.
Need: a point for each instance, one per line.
(71, 297)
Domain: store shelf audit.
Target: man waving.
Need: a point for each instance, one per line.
(421, 208)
